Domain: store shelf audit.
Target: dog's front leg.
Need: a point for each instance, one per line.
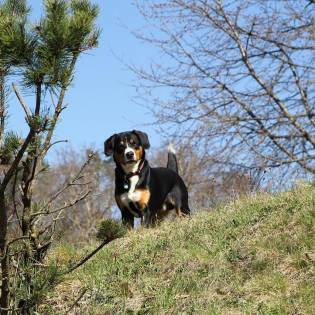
(127, 218)
(149, 218)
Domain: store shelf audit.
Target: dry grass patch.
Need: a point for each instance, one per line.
(251, 256)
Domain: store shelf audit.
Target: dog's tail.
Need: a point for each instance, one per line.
(171, 159)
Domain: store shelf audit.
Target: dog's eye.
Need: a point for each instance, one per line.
(131, 141)
(120, 148)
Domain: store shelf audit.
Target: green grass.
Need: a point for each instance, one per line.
(252, 256)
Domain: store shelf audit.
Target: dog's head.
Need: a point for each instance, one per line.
(127, 147)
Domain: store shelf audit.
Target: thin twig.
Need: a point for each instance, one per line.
(77, 300)
(68, 205)
(86, 258)
(68, 184)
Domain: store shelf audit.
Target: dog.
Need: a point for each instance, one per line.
(141, 191)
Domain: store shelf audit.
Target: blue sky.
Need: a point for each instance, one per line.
(100, 100)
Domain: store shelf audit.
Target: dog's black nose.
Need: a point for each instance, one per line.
(130, 155)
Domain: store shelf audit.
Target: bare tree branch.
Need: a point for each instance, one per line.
(235, 78)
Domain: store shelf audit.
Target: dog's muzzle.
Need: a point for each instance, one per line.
(130, 155)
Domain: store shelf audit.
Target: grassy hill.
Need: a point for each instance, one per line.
(252, 256)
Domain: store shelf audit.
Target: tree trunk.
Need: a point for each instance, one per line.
(4, 299)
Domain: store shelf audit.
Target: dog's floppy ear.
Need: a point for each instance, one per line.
(109, 145)
(143, 137)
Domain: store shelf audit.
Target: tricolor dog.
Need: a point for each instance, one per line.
(140, 190)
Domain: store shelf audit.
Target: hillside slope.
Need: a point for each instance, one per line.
(252, 256)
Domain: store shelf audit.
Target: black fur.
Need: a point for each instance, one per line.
(143, 137)
(166, 187)
(109, 145)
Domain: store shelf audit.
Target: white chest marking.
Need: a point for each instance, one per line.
(132, 195)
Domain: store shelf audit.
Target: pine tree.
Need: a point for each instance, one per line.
(42, 57)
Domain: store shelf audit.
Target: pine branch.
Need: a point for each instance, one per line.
(22, 102)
